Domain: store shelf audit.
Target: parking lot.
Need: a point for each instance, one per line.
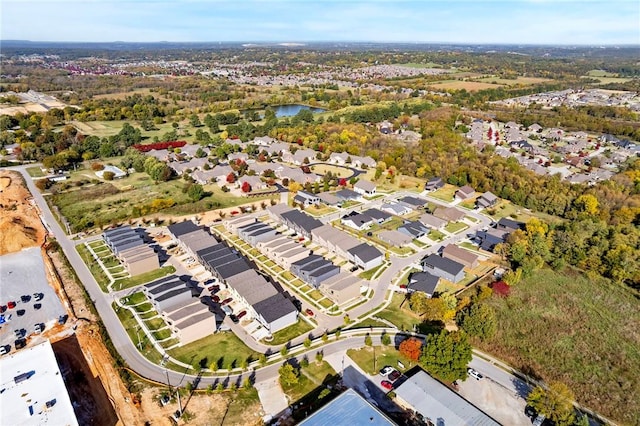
(495, 400)
(23, 274)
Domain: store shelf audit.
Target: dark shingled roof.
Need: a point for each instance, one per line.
(302, 220)
(365, 252)
(450, 266)
(424, 282)
(182, 228)
(274, 307)
(378, 215)
(232, 268)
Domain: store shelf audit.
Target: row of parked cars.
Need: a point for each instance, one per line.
(391, 375)
(224, 304)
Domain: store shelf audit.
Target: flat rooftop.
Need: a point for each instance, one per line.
(32, 388)
(348, 409)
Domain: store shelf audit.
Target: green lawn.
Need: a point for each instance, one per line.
(436, 235)
(367, 275)
(145, 307)
(326, 303)
(143, 278)
(283, 336)
(144, 345)
(445, 193)
(136, 298)
(94, 267)
(320, 210)
(155, 323)
(162, 334)
(580, 330)
(315, 295)
(35, 172)
(455, 227)
(469, 246)
(369, 323)
(310, 378)
(384, 355)
(402, 317)
(224, 348)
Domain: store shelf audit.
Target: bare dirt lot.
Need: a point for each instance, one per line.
(20, 226)
(100, 397)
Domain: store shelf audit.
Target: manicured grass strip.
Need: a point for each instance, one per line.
(455, 227)
(298, 329)
(35, 172)
(367, 275)
(93, 266)
(143, 278)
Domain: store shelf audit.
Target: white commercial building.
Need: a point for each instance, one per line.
(33, 391)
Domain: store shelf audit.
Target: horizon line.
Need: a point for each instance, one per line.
(630, 44)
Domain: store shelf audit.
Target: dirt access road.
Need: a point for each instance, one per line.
(99, 395)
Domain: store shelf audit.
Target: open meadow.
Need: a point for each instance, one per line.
(582, 331)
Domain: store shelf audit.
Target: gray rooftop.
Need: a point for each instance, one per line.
(274, 307)
(444, 264)
(365, 252)
(435, 401)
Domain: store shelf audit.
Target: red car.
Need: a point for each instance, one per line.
(241, 314)
(386, 384)
(309, 312)
(214, 289)
(11, 305)
(226, 301)
(216, 299)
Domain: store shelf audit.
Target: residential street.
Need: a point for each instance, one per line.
(333, 351)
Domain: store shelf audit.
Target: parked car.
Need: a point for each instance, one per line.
(227, 301)
(309, 312)
(214, 289)
(25, 298)
(38, 296)
(234, 318)
(394, 375)
(539, 420)
(529, 411)
(216, 299)
(37, 306)
(21, 312)
(18, 332)
(38, 328)
(473, 373)
(386, 370)
(3, 308)
(11, 304)
(386, 384)
(241, 314)
(3, 350)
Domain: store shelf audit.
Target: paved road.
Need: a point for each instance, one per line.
(138, 363)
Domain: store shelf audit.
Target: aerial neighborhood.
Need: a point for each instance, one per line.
(314, 234)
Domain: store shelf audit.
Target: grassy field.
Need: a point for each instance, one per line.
(340, 172)
(283, 336)
(578, 330)
(35, 172)
(507, 209)
(123, 198)
(469, 86)
(402, 317)
(224, 348)
(445, 193)
(384, 355)
(310, 378)
(367, 275)
(523, 81)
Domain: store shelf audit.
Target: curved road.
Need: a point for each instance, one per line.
(138, 363)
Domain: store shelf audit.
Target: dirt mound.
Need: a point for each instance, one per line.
(20, 226)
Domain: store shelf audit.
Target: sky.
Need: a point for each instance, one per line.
(568, 22)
